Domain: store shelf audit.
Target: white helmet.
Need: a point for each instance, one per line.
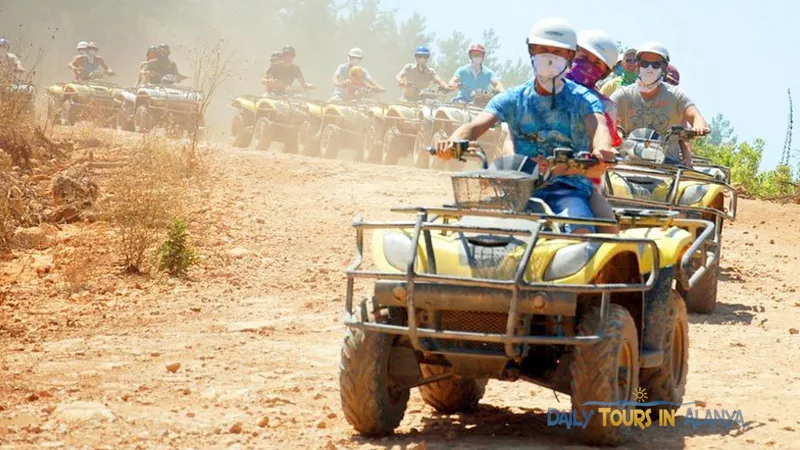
(599, 44)
(82, 45)
(555, 33)
(356, 53)
(653, 47)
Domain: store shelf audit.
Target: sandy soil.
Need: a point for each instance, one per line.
(256, 331)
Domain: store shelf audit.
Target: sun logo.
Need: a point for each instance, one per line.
(640, 394)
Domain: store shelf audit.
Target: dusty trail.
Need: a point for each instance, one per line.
(257, 331)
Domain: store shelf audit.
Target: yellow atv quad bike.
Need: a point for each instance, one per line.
(392, 135)
(647, 181)
(17, 100)
(449, 117)
(485, 289)
(93, 99)
(269, 118)
(176, 108)
(332, 126)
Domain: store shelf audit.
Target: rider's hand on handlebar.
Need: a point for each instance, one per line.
(444, 149)
(701, 130)
(605, 155)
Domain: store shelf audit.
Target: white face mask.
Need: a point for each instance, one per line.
(548, 68)
(648, 79)
(477, 61)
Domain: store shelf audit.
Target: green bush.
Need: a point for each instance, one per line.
(175, 255)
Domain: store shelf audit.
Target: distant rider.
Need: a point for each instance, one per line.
(282, 72)
(84, 65)
(654, 104)
(342, 76)
(151, 54)
(10, 65)
(156, 69)
(627, 72)
(474, 76)
(417, 76)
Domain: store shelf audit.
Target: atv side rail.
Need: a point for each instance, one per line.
(672, 200)
(519, 295)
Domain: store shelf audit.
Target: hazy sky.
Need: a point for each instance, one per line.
(735, 57)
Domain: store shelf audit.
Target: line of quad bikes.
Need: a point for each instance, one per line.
(488, 285)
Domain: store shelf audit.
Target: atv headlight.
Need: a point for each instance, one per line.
(693, 194)
(570, 259)
(397, 249)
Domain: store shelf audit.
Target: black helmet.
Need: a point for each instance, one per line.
(289, 50)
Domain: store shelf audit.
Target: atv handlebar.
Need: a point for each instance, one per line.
(462, 149)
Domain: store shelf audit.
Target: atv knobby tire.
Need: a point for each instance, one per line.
(262, 133)
(364, 382)
(702, 298)
(69, 113)
(453, 395)
(331, 142)
(308, 140)
(607, 371)
(53, 113)
(372, 148)
(241, 130)
(123, 121)
(668, 381)
(143, 119)
(420, 157)
(392, 147)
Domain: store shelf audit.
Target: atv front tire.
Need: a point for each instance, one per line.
(308, 139)
(241, 130)
(392, 147)
(143, 119)
(607, 371)
(702, 298)
(369, 401)
(453, 395)
(668, 381)
(69, 113)
(331, 142)
(372, 147)
(262, 132)
(420, 157)
(124, 121)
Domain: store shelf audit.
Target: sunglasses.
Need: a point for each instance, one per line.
(631, 61)
(654, 64)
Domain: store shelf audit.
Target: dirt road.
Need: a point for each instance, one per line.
(257, 329)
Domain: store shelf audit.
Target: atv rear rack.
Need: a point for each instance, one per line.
(518, 286)
(672, 200)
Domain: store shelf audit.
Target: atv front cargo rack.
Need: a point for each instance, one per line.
(519, 295)
(672, 200)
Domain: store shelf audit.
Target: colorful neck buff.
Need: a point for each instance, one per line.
(629, 78)
(585, 73)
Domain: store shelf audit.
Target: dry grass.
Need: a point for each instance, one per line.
(148, 192)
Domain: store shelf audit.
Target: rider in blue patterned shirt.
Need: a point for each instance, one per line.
(546, 113)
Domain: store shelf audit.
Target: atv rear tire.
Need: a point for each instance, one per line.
(668, 381)
(241, 130)
(392, 147)
(702, 298)
(434, 162)
(607, 371)
(306, 136)
(372, 148)
(331, 142)
(453, 395)
(420, 158)
(143, 119)
(368, 402)
(262, 133)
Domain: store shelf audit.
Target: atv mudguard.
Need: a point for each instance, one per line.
(690, 192)
(452, 256)
(247, 103)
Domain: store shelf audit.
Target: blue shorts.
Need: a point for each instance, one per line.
(568, 201)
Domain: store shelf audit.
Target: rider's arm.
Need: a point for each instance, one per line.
(401, 76)
(474, 129)
(600, 141)
(102, 63)
(340, 75)
(497, 84)
(74, 64)
(693, 116)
